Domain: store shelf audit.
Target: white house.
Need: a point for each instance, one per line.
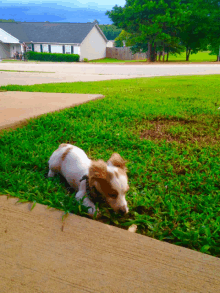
(85, 39)
(110, 44)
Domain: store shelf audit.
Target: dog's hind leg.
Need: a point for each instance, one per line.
(54, 164)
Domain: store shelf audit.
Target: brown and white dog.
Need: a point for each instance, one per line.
(109, 179)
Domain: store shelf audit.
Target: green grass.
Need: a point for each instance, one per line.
(24, 71)
(112, 60)
(22, 61)
(167, 129)
(15, 60)
(199, 57)
(10, 60)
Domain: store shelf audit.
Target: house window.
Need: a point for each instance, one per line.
(29, 47)
(45, 48)
(37, 48)
(68, 49)
(56, 49)
(76, 50)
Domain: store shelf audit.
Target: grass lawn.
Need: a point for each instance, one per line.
(112, 60)
(168, 130)
(10, 60)
(24, 71)
(199, 57)
(15, 60)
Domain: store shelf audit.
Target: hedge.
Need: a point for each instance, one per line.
(56, 57)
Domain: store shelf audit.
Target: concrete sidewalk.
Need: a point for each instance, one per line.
(16, 107)
(40, 253)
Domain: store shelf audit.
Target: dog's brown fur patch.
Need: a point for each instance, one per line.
(56, 169)
(117, 161)
(65, 153)
(100, 178)
(74, 183)
(122, 171)
(98, 170)
(62, 145)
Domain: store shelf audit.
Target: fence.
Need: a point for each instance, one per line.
(124, 53)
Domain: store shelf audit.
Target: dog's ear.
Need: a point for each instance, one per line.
(97, 171)
(117, 161)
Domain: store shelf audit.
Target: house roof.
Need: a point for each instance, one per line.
(49, 32)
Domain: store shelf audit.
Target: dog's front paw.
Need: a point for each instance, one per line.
(91, 211)
(51, 173)
(94, 212)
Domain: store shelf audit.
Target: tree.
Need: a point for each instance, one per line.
(118, 43)
(150, 22)
(124, 39)
(195, 33)
(7, 20)
(110, 31)
(214, 33)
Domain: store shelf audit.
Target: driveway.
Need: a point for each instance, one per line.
(72, 72)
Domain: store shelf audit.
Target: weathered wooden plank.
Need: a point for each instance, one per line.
(123, 53)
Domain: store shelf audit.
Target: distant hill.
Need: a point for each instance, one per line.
(7, 20)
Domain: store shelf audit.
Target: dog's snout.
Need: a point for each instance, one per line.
(123, 210)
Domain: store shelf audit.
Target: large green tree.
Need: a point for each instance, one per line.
(124, 39)
(150, 22)
(214, 32)
(199, 30)
(110, 31)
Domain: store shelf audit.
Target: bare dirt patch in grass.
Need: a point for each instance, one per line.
(180, 131)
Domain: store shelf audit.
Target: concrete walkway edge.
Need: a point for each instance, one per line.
(16, 107)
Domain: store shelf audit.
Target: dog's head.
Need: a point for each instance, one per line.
(111, 181)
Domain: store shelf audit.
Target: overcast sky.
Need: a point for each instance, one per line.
(58, 11)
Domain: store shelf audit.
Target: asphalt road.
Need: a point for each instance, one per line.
(72, 72)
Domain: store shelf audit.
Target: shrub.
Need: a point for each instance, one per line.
(85, 60)
(55, 57)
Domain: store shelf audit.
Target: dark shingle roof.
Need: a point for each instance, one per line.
(48, 32)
